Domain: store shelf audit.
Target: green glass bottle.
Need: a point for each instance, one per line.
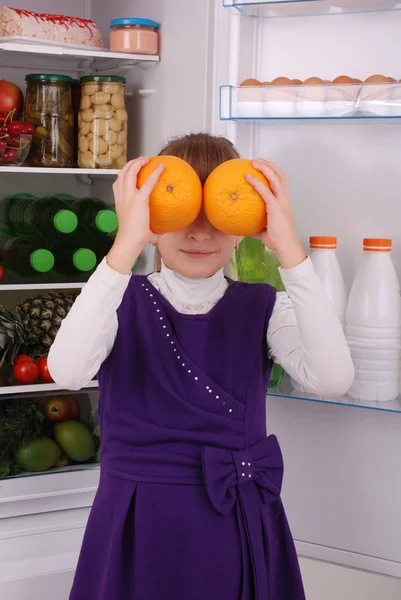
(23, 256)
(73, 260)
(257, 264)
(94, 215)
(47, 217)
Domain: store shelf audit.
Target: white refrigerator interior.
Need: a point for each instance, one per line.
(343, 479)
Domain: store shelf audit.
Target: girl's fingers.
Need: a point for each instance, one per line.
(130, 171)
(130, 176)
(259, 186)
(151, 181)
(275, 168)
(273, 179)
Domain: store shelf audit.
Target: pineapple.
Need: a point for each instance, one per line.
(15, 334)
(33, 326)
(45, 314)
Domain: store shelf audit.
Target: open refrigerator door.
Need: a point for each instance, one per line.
(306, 87)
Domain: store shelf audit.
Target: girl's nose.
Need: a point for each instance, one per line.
(200, 230)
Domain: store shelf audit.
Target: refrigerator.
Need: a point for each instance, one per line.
(342, 484)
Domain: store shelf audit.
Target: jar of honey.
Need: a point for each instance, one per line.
(134, 36)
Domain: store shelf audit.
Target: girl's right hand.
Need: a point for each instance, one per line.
(132, 207)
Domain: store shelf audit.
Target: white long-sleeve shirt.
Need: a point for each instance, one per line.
(304, 335)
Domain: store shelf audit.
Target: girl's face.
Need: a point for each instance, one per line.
(197, 251)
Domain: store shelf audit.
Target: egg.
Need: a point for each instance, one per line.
(249, 100)
(296, 81)
(375, 97)
(342, 95)
(312, 97)
(280, 98)
(250, 82)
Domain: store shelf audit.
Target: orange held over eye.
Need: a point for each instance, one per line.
(176, 199)
(231, 204)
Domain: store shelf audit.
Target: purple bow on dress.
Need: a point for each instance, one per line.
(224, 470)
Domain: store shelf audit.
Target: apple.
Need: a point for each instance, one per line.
(11, 99)
(60, 408)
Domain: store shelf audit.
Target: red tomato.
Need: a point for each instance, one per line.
(10, 97)
(22, 358)
(26, 372)
(1, 272)
(44, 370)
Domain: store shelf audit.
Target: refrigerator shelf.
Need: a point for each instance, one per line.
(298, 8)
(15, 287)
(56, 171)
(20, 52)
(286, 390)
(10, 391)
(328, 101)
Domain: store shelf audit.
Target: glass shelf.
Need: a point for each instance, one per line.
(21, 51)
(324, 101)
(9, 391)
(60, 171)
(286, 390)
(298, 8)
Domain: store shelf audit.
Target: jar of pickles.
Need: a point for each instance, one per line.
(48, 106)
(102, 123)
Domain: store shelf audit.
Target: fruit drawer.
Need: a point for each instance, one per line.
(48, 433)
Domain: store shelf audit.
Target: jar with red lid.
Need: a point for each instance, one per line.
(134, 36)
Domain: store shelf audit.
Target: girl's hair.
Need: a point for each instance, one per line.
(204, 152)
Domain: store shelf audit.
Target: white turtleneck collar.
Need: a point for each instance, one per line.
(190, 296)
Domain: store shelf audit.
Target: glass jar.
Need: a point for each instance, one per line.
(136, 36)
(102, 123)
(76, 103)
(48, 106)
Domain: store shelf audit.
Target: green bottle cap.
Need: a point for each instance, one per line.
(106, 221)
(42, 260)
(84, 259)
(65, 221)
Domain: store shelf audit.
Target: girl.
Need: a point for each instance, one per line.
(188, 505)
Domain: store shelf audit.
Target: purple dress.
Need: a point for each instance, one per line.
(188, 506)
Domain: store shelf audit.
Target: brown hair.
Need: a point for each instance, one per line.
(204, 152)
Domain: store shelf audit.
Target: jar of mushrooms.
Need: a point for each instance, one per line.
(102, 123)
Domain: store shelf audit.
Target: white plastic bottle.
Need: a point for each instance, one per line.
(324, 259)
(373, 325)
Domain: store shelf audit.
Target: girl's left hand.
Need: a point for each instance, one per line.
(280, 234)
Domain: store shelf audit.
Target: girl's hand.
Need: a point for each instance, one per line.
(132, 207)
(280, 234)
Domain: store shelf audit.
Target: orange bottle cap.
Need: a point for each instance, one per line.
(377, 244)
(326, 242)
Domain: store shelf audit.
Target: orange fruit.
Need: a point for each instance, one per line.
(231, 204)
(176, 199)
